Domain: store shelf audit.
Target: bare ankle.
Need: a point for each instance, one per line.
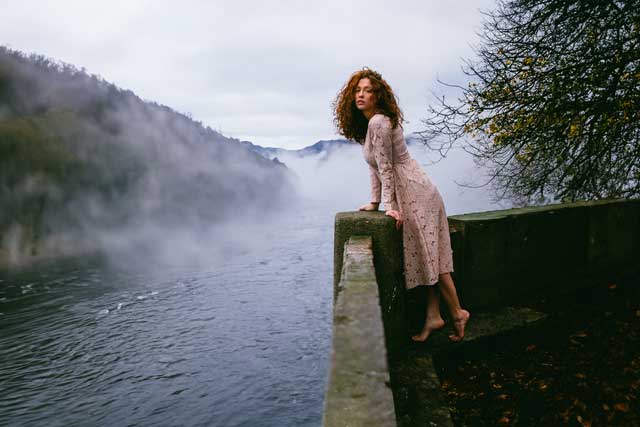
(459, 314)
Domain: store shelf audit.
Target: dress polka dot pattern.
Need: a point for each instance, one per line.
(405, 187)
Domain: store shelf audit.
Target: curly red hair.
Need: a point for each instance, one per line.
(350, 121)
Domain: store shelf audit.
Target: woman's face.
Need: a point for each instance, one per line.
(365, 97)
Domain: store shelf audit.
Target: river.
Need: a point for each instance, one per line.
(243, 343)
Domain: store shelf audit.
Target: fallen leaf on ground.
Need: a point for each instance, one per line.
(621, 407)
(583, 422)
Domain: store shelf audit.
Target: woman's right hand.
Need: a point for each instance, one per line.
(369, 207)
(395, 215)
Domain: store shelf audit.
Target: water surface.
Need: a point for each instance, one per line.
(242, 342)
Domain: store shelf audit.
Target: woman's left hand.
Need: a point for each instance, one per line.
(395, 215)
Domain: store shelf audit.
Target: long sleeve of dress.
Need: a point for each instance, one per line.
(381, 143)
(376, 186)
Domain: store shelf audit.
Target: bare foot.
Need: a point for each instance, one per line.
(429, 326)
(458, 326)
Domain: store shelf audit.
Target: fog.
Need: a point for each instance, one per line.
(101, 170)
(93, 168)
(338, 180)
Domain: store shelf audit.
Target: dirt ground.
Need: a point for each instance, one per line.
(581, 367)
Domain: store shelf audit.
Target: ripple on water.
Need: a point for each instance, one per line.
(245, 344)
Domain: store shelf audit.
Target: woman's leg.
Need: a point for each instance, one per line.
(459, 315)
(434, 319)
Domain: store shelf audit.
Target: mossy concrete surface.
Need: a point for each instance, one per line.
(483, 325)
(504, 256)
(389, 270)
(358, 392)
(420, 401)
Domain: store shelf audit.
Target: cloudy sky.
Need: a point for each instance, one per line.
(264, 71)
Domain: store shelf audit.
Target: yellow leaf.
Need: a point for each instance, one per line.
(574, 130)
(621, 407)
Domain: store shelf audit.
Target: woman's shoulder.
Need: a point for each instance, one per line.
(379, 120)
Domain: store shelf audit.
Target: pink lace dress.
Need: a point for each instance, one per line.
(405, 187)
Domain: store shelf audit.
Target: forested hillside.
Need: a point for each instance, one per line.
(79, 155)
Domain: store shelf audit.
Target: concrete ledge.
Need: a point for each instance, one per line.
(358, 392)
(501, 257)
(483, 325)
(389, 269)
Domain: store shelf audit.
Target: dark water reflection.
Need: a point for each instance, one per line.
(242, 343)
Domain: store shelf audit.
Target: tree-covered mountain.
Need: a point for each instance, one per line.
(78, 154)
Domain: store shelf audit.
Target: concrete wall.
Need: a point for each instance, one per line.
(499, 257)
(358, 391)
(387, 258)
(502, 257)
(505, 256)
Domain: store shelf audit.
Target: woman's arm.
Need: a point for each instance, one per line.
(383, 154)
(376, 186)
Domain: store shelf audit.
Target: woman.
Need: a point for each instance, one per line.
(366, 110)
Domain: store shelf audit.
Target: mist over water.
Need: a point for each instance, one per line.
(201, 290)
(338, 180)
(241, 341)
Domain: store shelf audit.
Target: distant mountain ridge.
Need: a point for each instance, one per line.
(319, 147)
(322, 147)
